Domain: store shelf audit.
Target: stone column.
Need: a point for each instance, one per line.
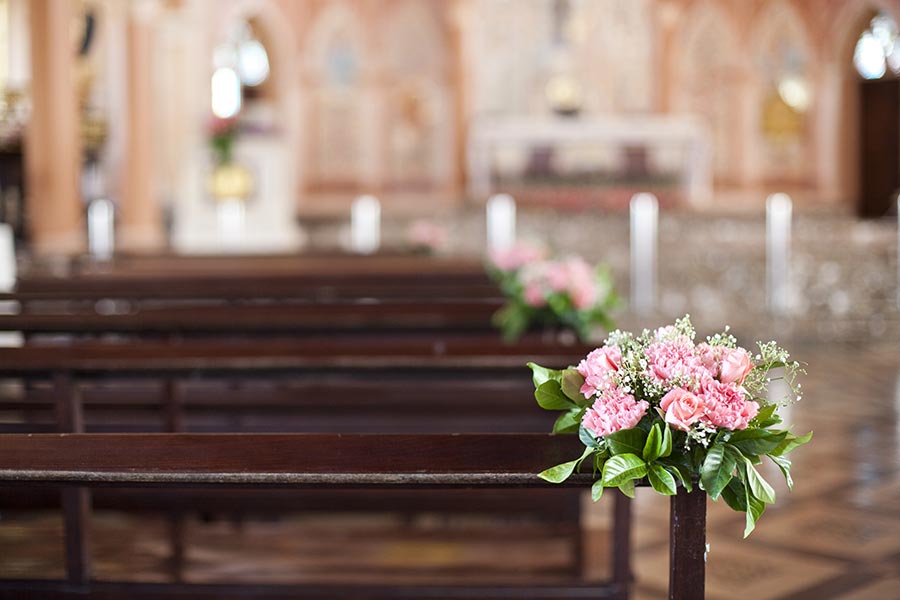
(140, 219)
(53, 141)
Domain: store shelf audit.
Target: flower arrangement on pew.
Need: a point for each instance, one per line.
(662, 407)
(566, 292)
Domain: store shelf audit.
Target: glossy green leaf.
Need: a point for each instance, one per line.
(561, 472)
(627, 488)
(587, 438)
(716, 471)
(627, 441)
(681, 473)
(621, 468)
(753, 442)
(661, 480)
(765, 414)
(735, 496)
(784, 463)
(567, 422)
(666, 447)
(653, 445)
(758, 486)
(542, 375)
(755, 509)
(550, 397)
(571, 383)
(790, 442)
(597, 490)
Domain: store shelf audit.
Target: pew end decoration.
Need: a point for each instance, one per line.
(663, 408)
(566, 293)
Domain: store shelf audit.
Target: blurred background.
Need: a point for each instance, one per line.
(738, 160)
(250, 126)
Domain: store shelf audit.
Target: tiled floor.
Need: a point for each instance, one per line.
(836, 536)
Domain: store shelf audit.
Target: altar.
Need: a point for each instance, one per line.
(581, 159)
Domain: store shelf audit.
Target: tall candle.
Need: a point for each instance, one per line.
(501, 222)
(101, 228)
(365, 225)
(7, 258)
(644, 219)
(779, 210)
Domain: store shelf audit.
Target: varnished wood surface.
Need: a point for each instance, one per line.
(331, 460)
(420, 354)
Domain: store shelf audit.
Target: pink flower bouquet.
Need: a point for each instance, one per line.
(662, 407)
(564, 293)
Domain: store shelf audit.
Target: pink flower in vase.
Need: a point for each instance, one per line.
(726, 406)
(516, 257)
(682, 408)
(736, 364)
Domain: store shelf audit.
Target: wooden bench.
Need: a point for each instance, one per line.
(303, 461)
(395, 374)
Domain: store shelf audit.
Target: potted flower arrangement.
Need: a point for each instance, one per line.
(662, 407)
(566, 293)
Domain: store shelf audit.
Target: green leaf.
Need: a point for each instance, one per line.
(621, 468)
(784, 464)
(758, 486)
(661, 480)
(627, 488)
(542, 375)
(753, 442)
(597, 490)
(755, 509)
(568, 422)
(627, 441)
(587, 438)
(790, 442)
(764, 416)
(681, 472)
(550, 397)
(571, 383)
(716, 470)
(666, 446)
(735, 496)
(653, 445)
(561, 472)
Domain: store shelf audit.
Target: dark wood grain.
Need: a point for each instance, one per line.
(687, 545)
(283, 459)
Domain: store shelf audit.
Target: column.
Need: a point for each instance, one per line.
(140, 223)
(53, 142)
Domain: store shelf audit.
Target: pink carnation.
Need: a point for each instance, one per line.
(673, 359)
(725, 405)
(597, 368)
(613, 411)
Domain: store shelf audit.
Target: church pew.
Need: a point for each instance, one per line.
(301, 461)
(469, 383)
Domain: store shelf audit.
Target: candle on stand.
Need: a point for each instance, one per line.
(501, 222)
(779, 210)
(101, 228)
(644, 219)
(365, 225)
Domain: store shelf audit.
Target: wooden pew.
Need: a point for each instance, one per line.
(302, 461)
(397, 374)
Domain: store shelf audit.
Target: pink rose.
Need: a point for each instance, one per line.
(597, 367)
(683, 408)
(735, 366)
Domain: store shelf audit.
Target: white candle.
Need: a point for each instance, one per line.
(778, 252)
(365, 225)
(7, 258)
(501, 222)
(101, 228)
(644, 219)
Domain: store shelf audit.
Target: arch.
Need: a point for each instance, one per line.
(785, 84)
(418, 124)
(840, 151)
(334, 55)
(706, 64)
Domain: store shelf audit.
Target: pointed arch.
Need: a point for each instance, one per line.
(706, 67)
